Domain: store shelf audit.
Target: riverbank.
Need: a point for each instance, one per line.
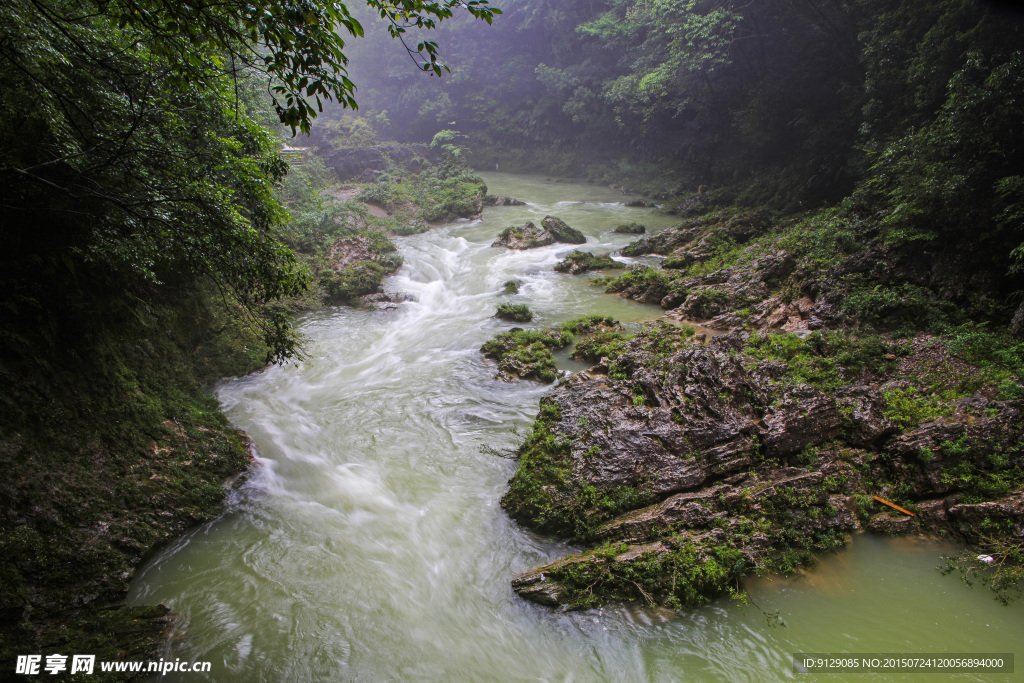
(691, 465)
(119, 455)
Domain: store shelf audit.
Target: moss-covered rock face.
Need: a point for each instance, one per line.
(581, 261)
(526, 354)
(123, 454)
(517, 313)
(631, 229)
(527, 236)
(501, 200)
(696, 464)
(357, 266)
(562, 232)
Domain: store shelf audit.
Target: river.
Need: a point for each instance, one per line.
(369, 544)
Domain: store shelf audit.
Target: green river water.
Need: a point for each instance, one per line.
(369, 544)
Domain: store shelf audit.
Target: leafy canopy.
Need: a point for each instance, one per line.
(135, 153)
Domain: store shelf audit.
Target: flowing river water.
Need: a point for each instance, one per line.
(369, 544)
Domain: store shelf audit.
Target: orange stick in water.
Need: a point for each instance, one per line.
(893, 505)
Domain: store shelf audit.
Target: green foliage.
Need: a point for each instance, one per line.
(999, 358)
(519, 313)
(826, 360)
(431, 195)
(526, 353)
(908, 408)
(345, 285)
(685, 577)
(1004, 573)
(600, 345)
(902, 307)
(511, 287)
(587, 324)
(642, 279)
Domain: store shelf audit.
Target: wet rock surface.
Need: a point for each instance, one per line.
(577, 262)
(527, 236)
(530, 236)
(678, 458)
(562, 232)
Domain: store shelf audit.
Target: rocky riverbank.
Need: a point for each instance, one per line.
(687, 465)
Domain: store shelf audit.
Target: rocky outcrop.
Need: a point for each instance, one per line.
(562, 232)
(385, 300)
(577, 262)
(680, 454)
(529, 236)
(348, 250)
(630, 229)
(357, 267)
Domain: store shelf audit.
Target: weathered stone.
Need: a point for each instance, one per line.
(535, 587)
(865, 410)
(577, 262)
(805, 416)
(562, 232)
(893, 524)
(684, 509)
(527, 236)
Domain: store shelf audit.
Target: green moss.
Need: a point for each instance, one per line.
(587, 324)
(583, 261)
(600, 345)
(642, 279)
(903, 307)
(353, 281)
(909, 407)
(827, 360)
(511, 287)
(130, 453)
(519, 313)
(526, 353)
(631, 229)
(684, 577)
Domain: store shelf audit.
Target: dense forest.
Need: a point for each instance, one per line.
(156, 239)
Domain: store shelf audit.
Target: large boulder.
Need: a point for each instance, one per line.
(527, 236)
(562, 232)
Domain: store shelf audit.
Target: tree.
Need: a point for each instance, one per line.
(132, 152)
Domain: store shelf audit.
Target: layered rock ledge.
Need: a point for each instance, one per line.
(687, 466)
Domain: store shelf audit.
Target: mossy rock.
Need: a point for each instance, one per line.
(562, 232)
(517, 313)
(631, 229)
(581, 261)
